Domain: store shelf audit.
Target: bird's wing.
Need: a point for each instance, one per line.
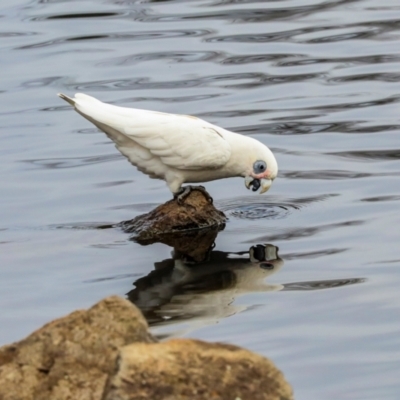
(180, 141)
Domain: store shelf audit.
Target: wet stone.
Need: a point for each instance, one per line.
(185, 369)
(71, 357)
(195, 213)
(107, 353)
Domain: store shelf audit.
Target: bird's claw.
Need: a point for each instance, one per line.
(185, 191)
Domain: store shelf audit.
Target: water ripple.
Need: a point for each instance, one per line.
(229, 114)
(294, 60)
(46, 81)
(258, 58)
(16, 34)
(324, 174)
(291, 125)
(112, 184)
(261, 210)
(355, 105)
(298, 233)
(382, 77)
(218, 3)
(359, 34)
(363, 30)
(303, 59)
(272, 208)
(381, 198)
(329, 175)
(176, 56)
(142, 35)
(249, 14)
(360, 155)
(72, 162)
(314, 254)
(143, 83)
(295, 128)
(170, 99)
(82, 226)
(77, 16)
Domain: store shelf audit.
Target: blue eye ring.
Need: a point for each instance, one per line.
(259, 166)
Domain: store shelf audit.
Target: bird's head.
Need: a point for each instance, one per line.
(261, 168)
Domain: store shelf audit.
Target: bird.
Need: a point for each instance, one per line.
(180, 148)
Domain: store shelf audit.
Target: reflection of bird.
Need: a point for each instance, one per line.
(205, 293)
(180, 148)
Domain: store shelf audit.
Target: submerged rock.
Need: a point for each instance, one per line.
(195, 213)
(107, 353)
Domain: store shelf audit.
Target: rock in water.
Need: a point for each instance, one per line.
(107, 353)
(71, 357)
(195, 213)
(184, 369)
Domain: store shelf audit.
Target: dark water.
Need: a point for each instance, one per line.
(318, 81)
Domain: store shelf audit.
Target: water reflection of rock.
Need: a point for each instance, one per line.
(192, 247)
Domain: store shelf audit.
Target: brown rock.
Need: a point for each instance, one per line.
(195, 213)
(184, 369)
(106, 353)
(71, 357)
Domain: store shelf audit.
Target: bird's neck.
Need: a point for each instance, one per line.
(240, 154)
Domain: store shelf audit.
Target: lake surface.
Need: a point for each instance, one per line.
(317, 81)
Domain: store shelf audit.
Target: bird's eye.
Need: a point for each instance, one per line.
(259, 167)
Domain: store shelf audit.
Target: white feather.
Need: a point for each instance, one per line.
(173, 138)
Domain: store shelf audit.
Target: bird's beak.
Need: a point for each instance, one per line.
(265, 185)
(255, 183)
(248, 180)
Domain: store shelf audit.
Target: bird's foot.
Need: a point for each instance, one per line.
(184, 192)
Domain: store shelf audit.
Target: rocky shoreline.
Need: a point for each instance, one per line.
(108, 353)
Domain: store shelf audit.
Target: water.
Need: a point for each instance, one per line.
(317, 81)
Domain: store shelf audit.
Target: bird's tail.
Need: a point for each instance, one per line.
(67, 99)
(83, 98)
(101, 115)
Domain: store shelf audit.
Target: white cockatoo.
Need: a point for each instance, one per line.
(179, 148)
